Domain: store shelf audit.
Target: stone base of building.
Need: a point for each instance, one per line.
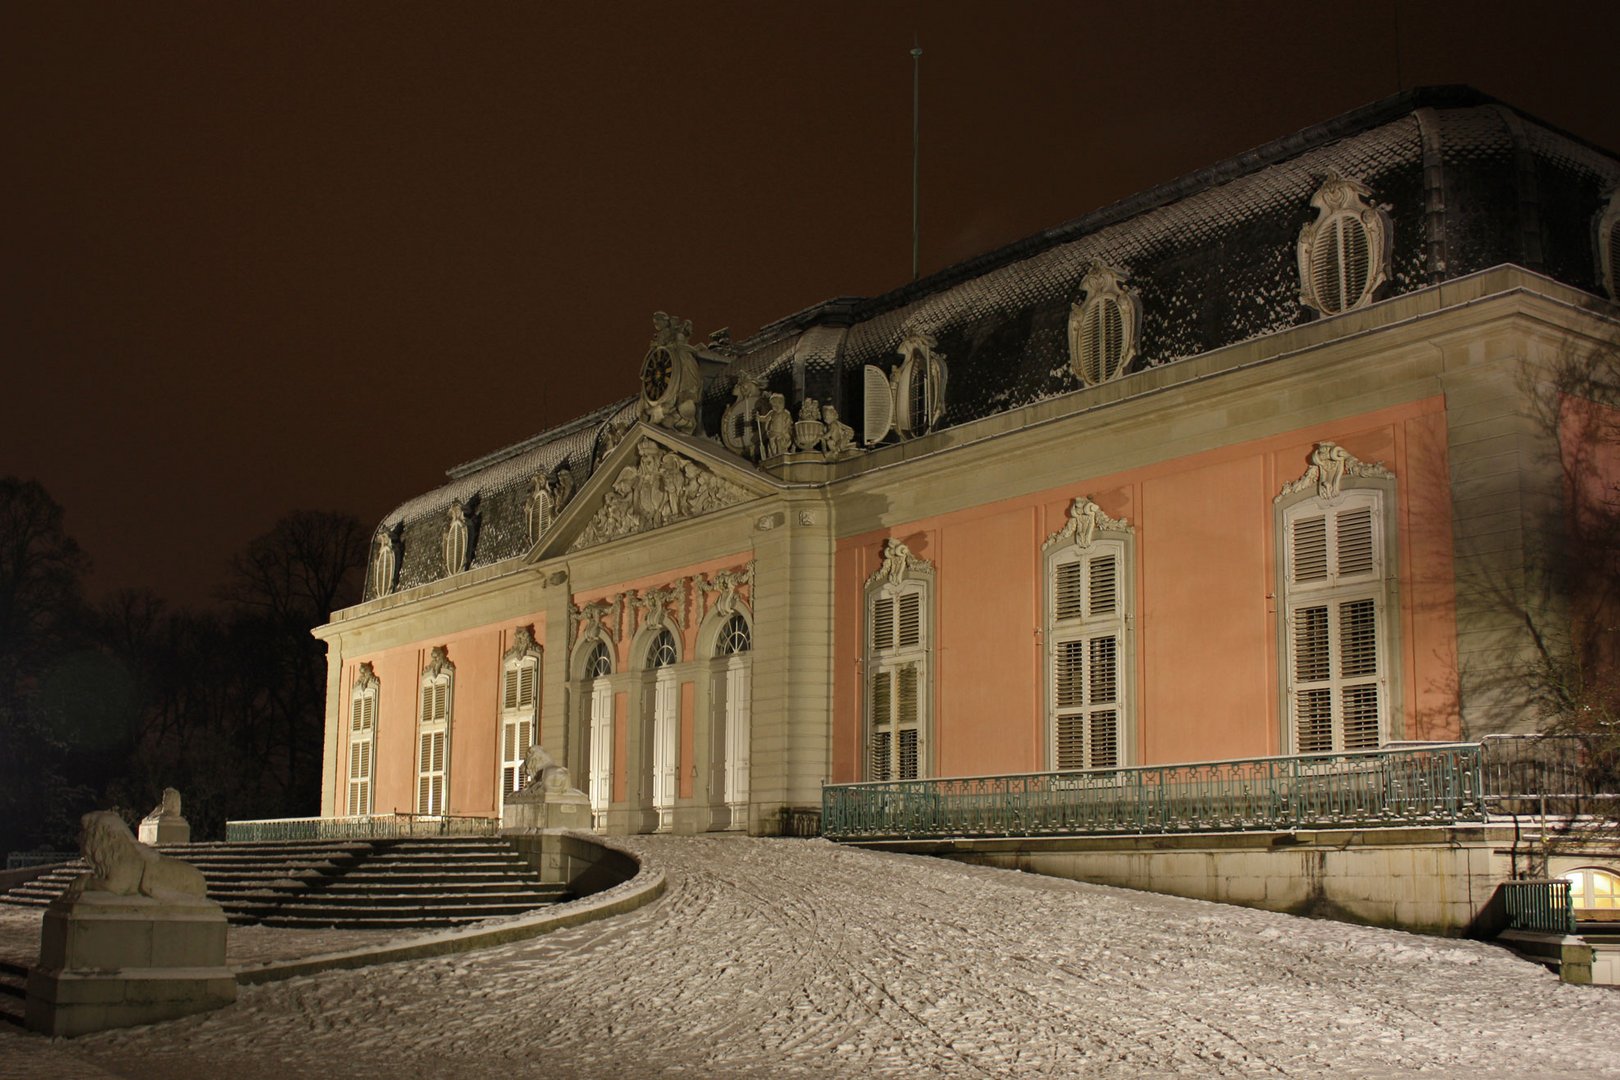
(109, 961)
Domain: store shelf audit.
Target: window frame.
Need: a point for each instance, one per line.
(661, 696)
(362, 757)
(1090, 535)
(901, 575)
(1318, 494)
(524, 656)
(439, 673)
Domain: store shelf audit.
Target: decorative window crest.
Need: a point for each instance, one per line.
(1103, 327)
(438, 663)
(365, 677)
(898, 564)
(1344, 255)
(727, 583)
(385, 559)
(1086, 521)
(523, 645)
(661, 488)
(654, 604)
(590, 617)
(911, 400)
(1608, 244)
(1331, 464)
(458, 535)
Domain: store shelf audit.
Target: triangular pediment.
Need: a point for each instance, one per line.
(654, 478)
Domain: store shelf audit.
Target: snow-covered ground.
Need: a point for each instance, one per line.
(800, 958)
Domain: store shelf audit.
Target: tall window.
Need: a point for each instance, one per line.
(1088, 601)
(384, 564)
(1591, 889)
(520, 680)
(1337, 605)
(1608, 244)
(598, 672)
(433, 734)
(362, 738)
(733, 714)
(661, 658)
(898, 646)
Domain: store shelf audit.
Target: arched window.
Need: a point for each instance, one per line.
(520, 685)
(1103, 328)
(1089, 593)
(662, 655)
(1592, 889)
(1344, 255)
(899, 648)
(433, 734)
(597, 670)
(911, 402)
(733, 712)
(455, 539)
(1337, 616)
(362, 739)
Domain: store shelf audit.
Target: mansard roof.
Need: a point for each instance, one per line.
(1469, 183)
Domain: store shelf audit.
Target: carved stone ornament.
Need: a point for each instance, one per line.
(1344, 255)
(1103, 326)
(523, 645)
(1086, 520)
(662, 487)
(739, 426)
(898, 564)
(655, 603)
(670, 380)
(1608, 243)
(365, 677)
(589, 617)
(438, 663)
(1331, 464)
(727, 583)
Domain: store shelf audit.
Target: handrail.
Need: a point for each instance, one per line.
(362, 827)
(1429, 785)
(1541, 905)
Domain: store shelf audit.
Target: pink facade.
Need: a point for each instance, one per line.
(1206, 678)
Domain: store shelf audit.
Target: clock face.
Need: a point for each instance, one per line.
(656, 373)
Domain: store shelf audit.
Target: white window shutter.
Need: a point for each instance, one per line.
(878, 418)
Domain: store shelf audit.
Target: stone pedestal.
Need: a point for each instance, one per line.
(536, 808)
(164, 829)
(109, 961)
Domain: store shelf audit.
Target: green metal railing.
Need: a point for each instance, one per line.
(363, 827)
(1540, 905)
(1430, 785)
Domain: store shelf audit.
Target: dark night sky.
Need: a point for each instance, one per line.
(259, 257)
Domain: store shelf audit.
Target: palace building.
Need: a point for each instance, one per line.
(1243, 465)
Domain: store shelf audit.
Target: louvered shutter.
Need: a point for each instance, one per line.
(509, 689)
(883, 624)
(882, 740)
(909, 631)
(878, 416)
(1337, 694)
(1086, 628)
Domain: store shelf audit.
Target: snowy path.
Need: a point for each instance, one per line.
(799, 958)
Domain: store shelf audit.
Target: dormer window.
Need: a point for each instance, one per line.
(1608, 245)
(1344, 255)
(384, 562)
(911, 401)
(456, 539)
(1103, 326)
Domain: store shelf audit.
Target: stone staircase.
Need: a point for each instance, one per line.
(13, 989)
(354, 884)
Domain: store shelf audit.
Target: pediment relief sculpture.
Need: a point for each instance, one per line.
(898, 564)
(1331, 464)
(660, 488)
(1086, 521)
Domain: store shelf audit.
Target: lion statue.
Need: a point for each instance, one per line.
(540, 765)
(123, 866)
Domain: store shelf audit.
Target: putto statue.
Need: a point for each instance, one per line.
(839, 441)
(776, 428)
